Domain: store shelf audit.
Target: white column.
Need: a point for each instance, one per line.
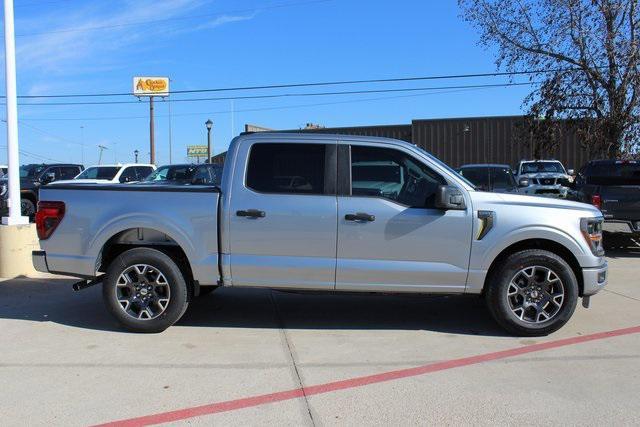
(15, 216)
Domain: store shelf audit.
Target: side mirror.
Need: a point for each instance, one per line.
(523, 182)
(48, 177)
(571, 172)
(449, 197)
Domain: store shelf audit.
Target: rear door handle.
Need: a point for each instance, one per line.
(360, 216)
(251, 213)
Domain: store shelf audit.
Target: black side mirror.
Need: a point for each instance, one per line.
(523, 182)
(449, 197)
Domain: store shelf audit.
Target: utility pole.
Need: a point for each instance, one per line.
(13, 159)
(170, 136)
(152, 143)
(101, 148)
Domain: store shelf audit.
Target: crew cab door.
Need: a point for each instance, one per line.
(390, 235)
(283, 214)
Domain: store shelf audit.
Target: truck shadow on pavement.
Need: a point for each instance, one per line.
(620, 245)
(52, 300)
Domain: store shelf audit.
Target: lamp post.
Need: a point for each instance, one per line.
(135, 153)
(209, 125)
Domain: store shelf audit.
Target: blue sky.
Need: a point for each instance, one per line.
(221, 43)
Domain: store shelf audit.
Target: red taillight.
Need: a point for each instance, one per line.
(596, 201)
(48, 217)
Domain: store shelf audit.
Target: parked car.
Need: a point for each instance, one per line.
(4, 169)
(544, 178)
(111, 174)
(613, 186)
(186, 174)
(490, 177)
(153, 247)
(32, 177)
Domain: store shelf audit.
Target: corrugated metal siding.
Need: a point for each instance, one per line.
(487, 140)
(460, 141)
(402, 132)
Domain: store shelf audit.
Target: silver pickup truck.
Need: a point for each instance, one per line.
(324, 213)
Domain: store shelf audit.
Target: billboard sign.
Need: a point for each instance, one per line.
(197, 151)
(151, 86)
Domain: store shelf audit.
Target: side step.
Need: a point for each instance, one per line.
(84, 284)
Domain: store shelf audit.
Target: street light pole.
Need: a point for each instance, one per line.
(209, 125)
(152, 144)
(135, 153)
(15, 214)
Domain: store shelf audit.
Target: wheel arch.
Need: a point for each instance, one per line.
(144, 237)
(538, 243)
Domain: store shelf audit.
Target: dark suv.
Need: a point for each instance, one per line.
(613, 186)
(33, 176)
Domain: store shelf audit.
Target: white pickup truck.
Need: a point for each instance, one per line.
(324, 213)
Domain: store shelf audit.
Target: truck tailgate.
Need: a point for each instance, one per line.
(621, 202)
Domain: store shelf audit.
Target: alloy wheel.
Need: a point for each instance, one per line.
(535, 294)
(143, 292)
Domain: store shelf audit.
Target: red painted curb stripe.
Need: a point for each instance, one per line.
(248, 402)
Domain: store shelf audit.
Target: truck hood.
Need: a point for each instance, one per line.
(519, 200)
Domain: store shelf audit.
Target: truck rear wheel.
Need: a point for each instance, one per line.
(532, 293)
(145, 290)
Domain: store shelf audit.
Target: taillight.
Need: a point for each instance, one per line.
(596, 201)
(48, 217)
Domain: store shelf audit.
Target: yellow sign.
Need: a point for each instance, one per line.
(197, 151)
(151, 86)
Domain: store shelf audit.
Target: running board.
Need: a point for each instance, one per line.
(84, 284)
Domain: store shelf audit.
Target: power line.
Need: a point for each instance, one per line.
(315, 84)
(178, 18)
(290, 95)
(285, 107)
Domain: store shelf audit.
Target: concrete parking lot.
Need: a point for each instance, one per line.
(247, 357)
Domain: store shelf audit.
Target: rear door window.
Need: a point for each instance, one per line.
(287, 168)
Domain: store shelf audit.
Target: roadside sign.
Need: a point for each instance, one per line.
(197, 151)
(151, 86)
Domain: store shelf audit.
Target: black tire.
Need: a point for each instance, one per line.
(27, 207)
(178, 296)
(501, 305)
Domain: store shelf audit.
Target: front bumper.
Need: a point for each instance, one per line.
(594, 279)
(546, 190)
(39, 260)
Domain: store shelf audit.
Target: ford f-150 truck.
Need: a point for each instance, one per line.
(324, 213)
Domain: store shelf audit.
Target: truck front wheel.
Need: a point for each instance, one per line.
(532, 293)
(145, 290)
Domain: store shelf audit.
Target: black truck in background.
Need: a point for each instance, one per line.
(613, 186)
(32, 177)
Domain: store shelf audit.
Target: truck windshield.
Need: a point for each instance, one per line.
(173, 173)
(99, 172)
(538, 167)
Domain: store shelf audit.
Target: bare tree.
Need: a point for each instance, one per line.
(585, 57)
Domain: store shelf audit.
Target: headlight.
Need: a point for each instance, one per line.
(592, 231)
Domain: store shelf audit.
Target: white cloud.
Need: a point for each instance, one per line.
(45, 45)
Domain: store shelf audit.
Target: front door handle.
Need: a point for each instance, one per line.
(251, 213)
(360, 216)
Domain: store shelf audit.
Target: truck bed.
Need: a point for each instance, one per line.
(172, 215)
